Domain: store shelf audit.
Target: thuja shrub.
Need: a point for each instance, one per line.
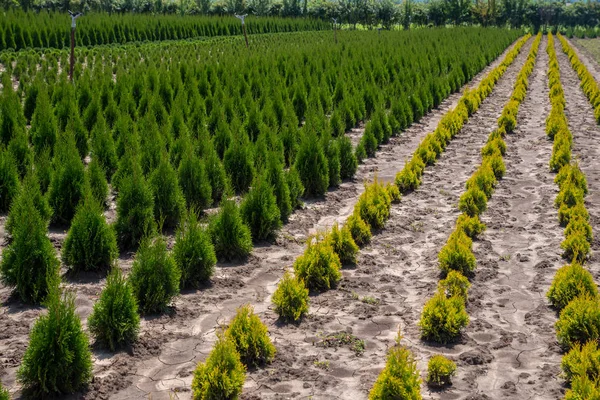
(570, 282)
(194, 181)
(455, 284)
(4, 395)
(497, 164)
(573, 174)
(374, 204)
(154, 276)
(578, 224)
(569, 195)
(473, 202)
(260, 212)
(343, 244)
(312, 167)
(400, 377)
(19, 149)
(495, 146)
(29, 263)
(29, 191)
(576, 246)
(115, 321)
(566, 213)
(91, 244)
(96, 181)
(443, 318)
(274, 174)
(43, 124)
(250, 337)
(296, 187)
(409, 178)
(456, 254)
(58, 360)
(360, 231)
(135, 211)
(440, 370)
(230, 235)
(348, 160)
(579, 321)
(222, 375)
(472, 226)
(319, 267)
(169, 203)
(582, 360)
(9, 180)
(393, 192)
(238, 163)
(483, 179)
(582, 388)
(194, 252)
(290, 298)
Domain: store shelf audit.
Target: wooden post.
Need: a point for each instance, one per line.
(334, 30)
(242, 18)
(72, 58)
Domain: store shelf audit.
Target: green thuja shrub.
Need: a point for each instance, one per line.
(135, 211)
(43, 124)
(360, 231)
(68, 181)
(343, 244)
(579, 321)
(472, 226)
(369, 141)
(96, 181)
(29, 263)
(569, 282)
(215, 171)
(221, 376)
(360, 153)
(393, 193)
(169, 202)
(275, 176)
(91, 244)
(400, 377)
(58, 360)
(440, 371)
(319, 267)
(194, 252)
(291, 298)
(230, 235)
(296, 187)
(443, 318)
(13, 118)
(29, 191)
(4, 395)
(238, 163)
(250, 337)
(311, 165)
(408, 179)
(493, 147)
(154, 276)
(348, 160)
(194, 181)
(260, 212)
(473, 202)
(9, 180)
(583, 388)
(43, 169)
(19, 149)
(115, 322)
(456, 254)
(374, 204)
(103, 148)
(455, 284)
(582, 360)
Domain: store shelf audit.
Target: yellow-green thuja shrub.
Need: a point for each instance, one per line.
(400, 377)
(455, 284)
(582, 360)
(579, 321)
(570, 282)
(472, 226)
(440, 370)
(290, 298)
(473, 202)
(319, 267)
(456, 255)
(360, 231)
(374, 204)
(250, 337)
(443, 318)
(342, 243)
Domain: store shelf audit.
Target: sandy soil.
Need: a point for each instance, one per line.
(394, 276)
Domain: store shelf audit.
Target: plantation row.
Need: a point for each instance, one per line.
(573, 291)
(22, 30)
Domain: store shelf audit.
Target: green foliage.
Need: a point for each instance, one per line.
(194, 252)
(456, 254)
(311, 165)
(250, 337)
(221, 376)
(194, 181)
(582, 360)
(473, 202)
(582, 388)
(260, 212)
(9, 180)
(135, 211)
(455, 284)
(290, 298)
(91, 243)
(239, 166)
(58, 360)
(573, 174)
(483, 179)
(343, 244)
(570, 282)
(43, 124)
(497, 164)
(4, 395)
(393, 193)
(374, 204)
(319, 267)
(154, 276)
(443, 318)
(472, 226)
(399, 379)
(29, 191)
(576, 245)
(348, 160)
(440, 370)
(12, 119)
(29, 263)
(579, 321)
(103, 148)
(96, 180)
(275, 176)
(230, 235)
(409, 178)
(169, 203)
(43, 169)
(569, 195)
(19, 149)
(296, 187)
(115, 321)
(360, 231)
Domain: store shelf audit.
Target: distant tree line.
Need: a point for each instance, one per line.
(355, 13)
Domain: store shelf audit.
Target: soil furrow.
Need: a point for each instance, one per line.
(511, 334)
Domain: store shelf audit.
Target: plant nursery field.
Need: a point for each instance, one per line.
(395, 215)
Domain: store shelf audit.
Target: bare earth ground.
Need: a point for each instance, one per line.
(398, 271)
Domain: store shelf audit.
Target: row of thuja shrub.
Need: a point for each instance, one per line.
(445, 315)
(409, 178)
(573, 291)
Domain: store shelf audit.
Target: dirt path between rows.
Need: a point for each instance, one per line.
(586, 148)
(161, 362)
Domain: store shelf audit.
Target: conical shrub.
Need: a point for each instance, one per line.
(194, 252)
(29, 190)
(135, 211)
(239, 166)
(275, 176)
(260, 212)
(11, 110)
(169, 203)
(19, 149)
(250, 337)
(91, 244)
(311, 165)
(194, 182)
(319, 267)
(103, 148)
(291, 298)
(58, 360)
(9, 180)
(43, 124)
(114, 321)
(96, 181)
(230, 235)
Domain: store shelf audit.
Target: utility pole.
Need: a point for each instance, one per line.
(72, 59)
(242, 18)
(334, 30)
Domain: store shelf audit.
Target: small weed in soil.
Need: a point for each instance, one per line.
(340, 339)
(322, 364)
